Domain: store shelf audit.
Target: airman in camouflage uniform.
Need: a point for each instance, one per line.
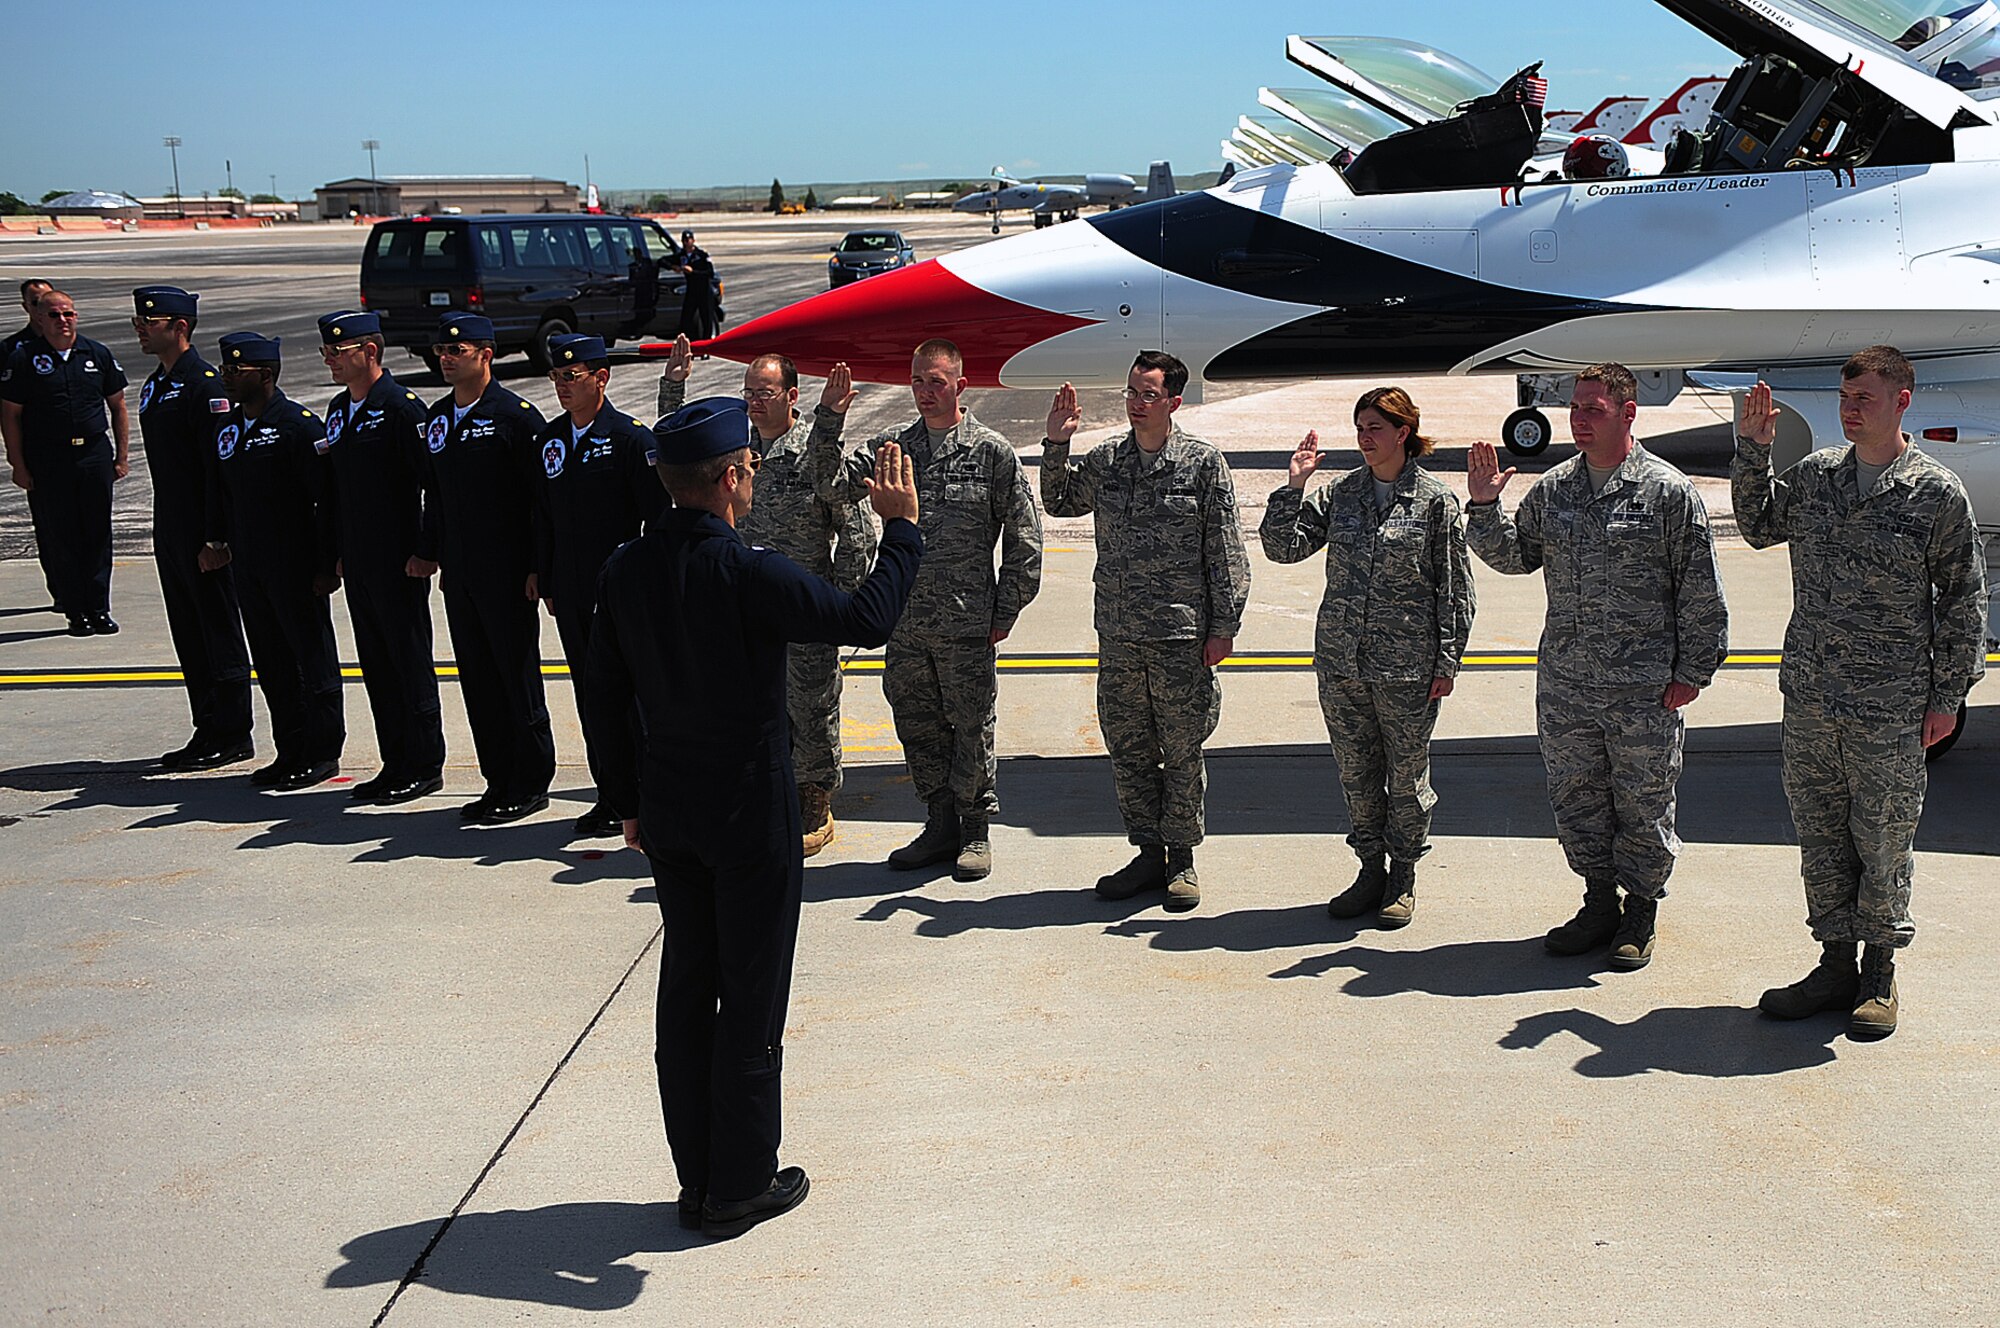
(835, 541)
(1392, 627)
(1636, 627)
(1172, 582)
(1887, 635)
(939, 671)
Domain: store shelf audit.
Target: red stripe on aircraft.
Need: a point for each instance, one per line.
(868, 325)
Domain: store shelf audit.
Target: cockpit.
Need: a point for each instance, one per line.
(1829, 84)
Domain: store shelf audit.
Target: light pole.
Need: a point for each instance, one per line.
(374, 191)
(173, 145)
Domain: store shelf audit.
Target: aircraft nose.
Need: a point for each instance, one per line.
(874, 325)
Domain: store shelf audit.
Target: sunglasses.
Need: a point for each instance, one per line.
(571, 375)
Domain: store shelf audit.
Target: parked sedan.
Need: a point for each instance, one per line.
(867, 253)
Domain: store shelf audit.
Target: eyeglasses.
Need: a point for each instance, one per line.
(141, 324)
(571, 375)
(332, 352)
(756, 460)
(762, 394)
(1149, 397)
(452, 348)
(67, 315)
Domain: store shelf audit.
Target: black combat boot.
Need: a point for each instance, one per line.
(1830, 986)
(937, 842)
(1875, 994)
(1147, 871)
(1365, 894)
(1593, 925)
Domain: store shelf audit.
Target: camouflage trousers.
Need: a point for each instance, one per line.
(942, 691)
(1157, 703)
(812, 703)
(1614, 758)
(1857, 788)
(1381, 736)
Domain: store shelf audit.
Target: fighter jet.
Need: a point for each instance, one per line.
(1840, 194)
(1063, 202)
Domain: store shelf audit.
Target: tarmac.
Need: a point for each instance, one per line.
(270, 1059)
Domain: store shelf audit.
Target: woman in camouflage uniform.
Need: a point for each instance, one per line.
(1397, 611)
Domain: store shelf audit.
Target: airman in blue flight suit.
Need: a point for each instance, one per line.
(374, 433)
(182, 408)
(693, 623)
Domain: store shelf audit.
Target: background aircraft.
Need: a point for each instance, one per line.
(1062, 202)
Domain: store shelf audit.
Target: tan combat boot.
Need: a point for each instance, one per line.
(1183, 886)
(1875, 1007)
(815, 817)
(1632, 943)
(975, 850)
(1364, 894)
(1399, 897)
(1833, 984)
(937, 841)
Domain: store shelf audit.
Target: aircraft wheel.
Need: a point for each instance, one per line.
(1527, 432)
(1042, 219)
(1945, 745)
(539, 354)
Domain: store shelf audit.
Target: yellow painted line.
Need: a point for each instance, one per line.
(870, 664)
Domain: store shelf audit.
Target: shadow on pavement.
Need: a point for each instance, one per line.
(428, 829)
(1468, 968)
(570, 1255)
(1712, 1041)
(1076, 907)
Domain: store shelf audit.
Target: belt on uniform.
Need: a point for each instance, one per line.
(78, 442)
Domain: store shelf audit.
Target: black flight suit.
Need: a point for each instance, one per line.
(66, 443)
(484, 468)
(275, 490)
(42, 554)
(595, 494)
(180, 412)
(694, 622)
(378, 470)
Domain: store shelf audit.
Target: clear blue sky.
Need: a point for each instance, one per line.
(694, 93)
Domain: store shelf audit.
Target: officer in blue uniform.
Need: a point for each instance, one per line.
(484, 469)
(62, 412)
(375, 436)
(598, 490)
(182, 407)
(31, 291)
(693, 623)
(273, 490)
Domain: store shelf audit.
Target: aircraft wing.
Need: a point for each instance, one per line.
(1825, 40)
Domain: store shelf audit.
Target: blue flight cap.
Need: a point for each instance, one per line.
(337, 329)
(711, 427)
(163, 302)
(577, 348)
(249, 349)
(464, 327)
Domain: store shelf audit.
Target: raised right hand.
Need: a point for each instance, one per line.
(1758, 419)
(1305, 461)
(892, 490)
(680, 360)
(1064, 415)
(1483, 477)
(839, 393)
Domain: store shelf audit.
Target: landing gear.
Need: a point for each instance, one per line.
(1527, 432)
(1043, 219)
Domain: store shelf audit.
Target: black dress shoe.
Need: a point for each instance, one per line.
(409, 790)
(102, 625)
(476, 810)
(688, 1206)
(600, 822)
(721, 1221)
(499, 813)
(80, 626)
(305, 776)
(264, 776)
(370, 789)
(214, 756)
(178, 758)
